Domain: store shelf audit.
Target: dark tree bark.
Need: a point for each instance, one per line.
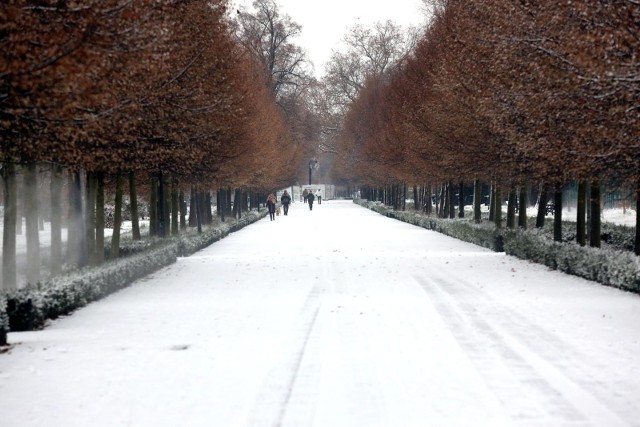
(581, 225)
(117, 219)
(198, 212)
(452, 200)
(524, 203)
(511, 209)
(477, 201)
(498, 207)
(461, 200)
(557, 217)
(637, 242)
(75, 248)
(31, 215)
(596, 222)
(9, 274)
(492, 203)
(183, 210)
(175, 206)
(193, 220)
(162, 231)
(55, 259)
(542, 205)
(153, 206)
(99, 253)
(90, 225)
(133, 198)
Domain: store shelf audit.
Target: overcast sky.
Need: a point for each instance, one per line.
(324, 22)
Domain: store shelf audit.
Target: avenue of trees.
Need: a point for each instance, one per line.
(161, 100)
(510, 94)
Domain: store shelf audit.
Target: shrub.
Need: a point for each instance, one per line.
(4, 321)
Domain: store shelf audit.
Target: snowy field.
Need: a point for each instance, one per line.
(335, 317)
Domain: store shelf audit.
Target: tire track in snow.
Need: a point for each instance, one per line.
(272, 402)
(534, 391)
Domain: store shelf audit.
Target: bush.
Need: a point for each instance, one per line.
(4, 321)
(29, 308)
(612, 267)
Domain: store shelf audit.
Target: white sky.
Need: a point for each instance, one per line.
(324, 22)
(336, 317)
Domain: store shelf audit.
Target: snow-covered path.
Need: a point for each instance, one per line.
(336, 317)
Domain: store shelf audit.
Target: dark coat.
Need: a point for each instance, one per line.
(285, 199)
(310, 197)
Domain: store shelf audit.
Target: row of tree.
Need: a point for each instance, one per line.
(513, 93)
(112, 91)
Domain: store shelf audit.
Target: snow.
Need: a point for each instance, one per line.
(335, 317)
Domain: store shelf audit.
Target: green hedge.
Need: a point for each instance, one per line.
(611, 267)
(29, 308)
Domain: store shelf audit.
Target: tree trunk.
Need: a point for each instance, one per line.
(596, 224)
(497, 215)
(477, 201)
(161, 206)
(90, 223)
(183, 210)
(461, 200)
(542, 205)
(175, 206)
(511, 209)
(9, 277)
(524, 202)
(75, 236)
(198, 212)
(133, 198)
(117, 220)
(167, 204)
(153, 206)
(31, 214)
(55, 258)
(581, 225)
(557, 217)
(193, 220)
(99, 259)
(637, 242)
(452, 200)
(492, 203)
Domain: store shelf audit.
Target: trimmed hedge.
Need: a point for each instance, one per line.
(611, 267)
(29, 308)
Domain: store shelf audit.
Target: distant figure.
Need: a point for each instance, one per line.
(305, 193)
(319, 197)
(271, 205)
(285, 199)
(310, 198)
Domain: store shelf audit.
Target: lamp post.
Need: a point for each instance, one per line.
(313, 163)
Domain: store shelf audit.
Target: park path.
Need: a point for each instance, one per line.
(335, 317)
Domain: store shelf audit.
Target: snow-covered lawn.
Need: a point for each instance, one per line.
(335, 317)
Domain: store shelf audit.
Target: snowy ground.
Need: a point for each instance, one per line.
(335, 317)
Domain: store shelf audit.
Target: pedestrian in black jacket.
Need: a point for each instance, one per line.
(285, 199)
(271, 205)
(310, 198)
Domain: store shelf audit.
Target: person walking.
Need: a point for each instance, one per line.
(305, 193)
(285, 199)
(271, 206)
(310, 198)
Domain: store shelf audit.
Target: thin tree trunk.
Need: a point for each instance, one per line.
(175, 206)
(637, 242)
(161, 206)
(75, 256)
(477, 201)
(498, 207)
(198, 212)
(183, 210)
(90, 223)
(524, 203)
(557, 217)
(596, 224)
(153, 207)
(511, 209)
(542, 205)
(9, 275)
(193, 220)
(31, 214)
(55, 258)
(461, 200)
(167, 204)
(452, 200)
(581, 225)
(133, 198)
(117, 220)
(492, 203)
(99, 253)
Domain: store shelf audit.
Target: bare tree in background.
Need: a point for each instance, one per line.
(268, 35)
